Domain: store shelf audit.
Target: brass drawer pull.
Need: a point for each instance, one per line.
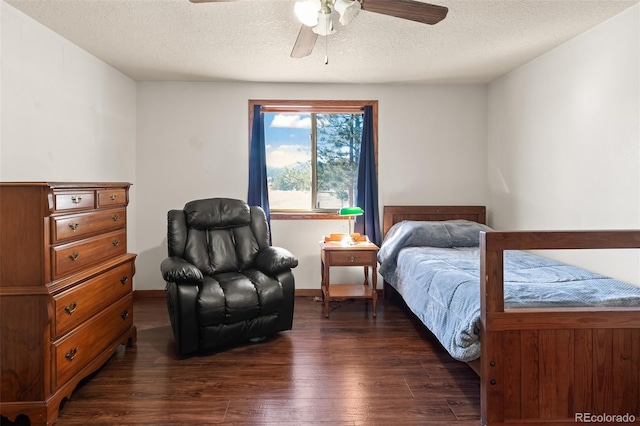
(73, 226)
(113, 197)
(76, 199)
(74, 256)
(115, 243)
(71, 307)
(71, 354)
(115, 217)
(124, 314)
(124, 279)
(352, 259)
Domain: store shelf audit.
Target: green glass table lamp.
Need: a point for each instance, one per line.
(351, 212)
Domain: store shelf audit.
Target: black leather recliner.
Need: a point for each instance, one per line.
(225, 283)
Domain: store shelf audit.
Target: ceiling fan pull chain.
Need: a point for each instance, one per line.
(326, 44)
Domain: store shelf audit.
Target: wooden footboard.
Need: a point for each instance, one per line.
(556, 366)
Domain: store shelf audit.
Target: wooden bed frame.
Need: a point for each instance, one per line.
(549, 365)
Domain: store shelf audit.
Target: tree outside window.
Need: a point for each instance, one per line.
(338, 151)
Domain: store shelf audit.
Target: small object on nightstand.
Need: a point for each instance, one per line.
(362, 253)
(341, 238)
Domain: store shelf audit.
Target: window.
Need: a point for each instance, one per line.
(312, 150)
(312, 160)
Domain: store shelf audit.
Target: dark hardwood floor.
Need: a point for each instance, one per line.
(349, 369)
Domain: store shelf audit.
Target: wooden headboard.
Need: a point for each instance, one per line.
(395, 214)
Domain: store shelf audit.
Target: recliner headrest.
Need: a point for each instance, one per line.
(214, 213)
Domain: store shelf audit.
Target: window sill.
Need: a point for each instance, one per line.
(306, 216)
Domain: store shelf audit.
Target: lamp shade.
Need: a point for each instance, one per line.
(348, 9)
(350, 211)
(307, 11)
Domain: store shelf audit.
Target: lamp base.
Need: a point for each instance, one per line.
(349, 240)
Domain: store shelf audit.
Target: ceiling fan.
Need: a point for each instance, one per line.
(316, 19)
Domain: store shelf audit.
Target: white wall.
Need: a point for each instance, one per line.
(193, 143)
(564, 141)
(66, 116)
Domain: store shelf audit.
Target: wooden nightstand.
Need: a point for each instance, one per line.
(361, 254)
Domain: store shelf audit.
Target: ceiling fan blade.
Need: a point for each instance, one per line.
(407, 9)
(304, 43)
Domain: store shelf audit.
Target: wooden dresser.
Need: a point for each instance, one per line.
(66, 300)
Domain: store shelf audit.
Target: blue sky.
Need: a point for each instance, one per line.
(287, 137)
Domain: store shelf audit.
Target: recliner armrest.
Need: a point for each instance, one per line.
(272, 260)
(177, 270)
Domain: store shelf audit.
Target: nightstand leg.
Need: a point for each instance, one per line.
(374, 284)
(322, 280)
(325, 289)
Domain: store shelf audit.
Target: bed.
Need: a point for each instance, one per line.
(538, 365)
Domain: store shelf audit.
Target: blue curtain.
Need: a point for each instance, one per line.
(367, 186)
(258, 190)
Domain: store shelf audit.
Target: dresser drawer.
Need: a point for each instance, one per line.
(76, 305)
(68, 258)
(112, 197)
(76, 349)
(80, 225)
(73, 200)
(352, 258)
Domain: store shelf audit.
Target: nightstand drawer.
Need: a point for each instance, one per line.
(352, 258)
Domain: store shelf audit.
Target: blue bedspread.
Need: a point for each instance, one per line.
(441, 286)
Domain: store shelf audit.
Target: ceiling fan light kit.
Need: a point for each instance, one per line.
(315, 16)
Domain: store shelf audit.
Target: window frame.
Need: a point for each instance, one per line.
(317, 107)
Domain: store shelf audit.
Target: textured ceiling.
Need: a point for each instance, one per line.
(251, 40)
